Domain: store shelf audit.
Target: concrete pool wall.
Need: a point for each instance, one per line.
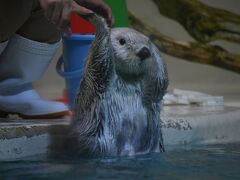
(182, 125)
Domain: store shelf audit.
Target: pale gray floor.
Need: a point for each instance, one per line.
(182, 74)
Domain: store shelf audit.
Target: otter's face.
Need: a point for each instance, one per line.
(131, 50)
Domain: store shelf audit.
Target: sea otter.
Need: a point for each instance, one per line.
(117, 108)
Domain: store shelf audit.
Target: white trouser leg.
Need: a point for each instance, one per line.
(3, 46)
(21, 62)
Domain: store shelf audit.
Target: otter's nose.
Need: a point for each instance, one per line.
(144, 53)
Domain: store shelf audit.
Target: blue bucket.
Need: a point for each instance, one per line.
(75, 51)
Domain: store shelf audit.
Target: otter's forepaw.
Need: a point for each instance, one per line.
(98, 21)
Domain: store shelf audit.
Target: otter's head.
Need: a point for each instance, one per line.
(132, 51)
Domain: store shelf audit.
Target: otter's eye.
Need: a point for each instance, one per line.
(122, 41)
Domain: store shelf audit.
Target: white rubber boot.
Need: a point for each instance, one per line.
(22, 62)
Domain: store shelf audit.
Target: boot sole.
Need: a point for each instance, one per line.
(4, 114)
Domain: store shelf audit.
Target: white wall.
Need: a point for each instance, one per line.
(187, 75)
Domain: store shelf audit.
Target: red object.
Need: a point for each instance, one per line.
(81, 26)
(63, 99)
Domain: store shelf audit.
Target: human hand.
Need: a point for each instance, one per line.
(59, 12)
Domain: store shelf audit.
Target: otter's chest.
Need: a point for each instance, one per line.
(125, 119)
(125, 104)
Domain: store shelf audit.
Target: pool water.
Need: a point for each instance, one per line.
(198, 162)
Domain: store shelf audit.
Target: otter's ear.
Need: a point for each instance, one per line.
(160, 65)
